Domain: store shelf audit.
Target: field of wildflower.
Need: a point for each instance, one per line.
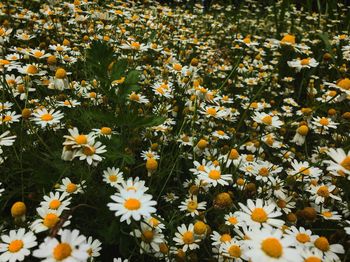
(141, 131)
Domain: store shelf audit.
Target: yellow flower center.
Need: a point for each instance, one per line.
(346, 163)
(303, 130)
(304, 170)
(147, 236)
(71, 187)
(323, 191)
(288, 39)
(233, 220)
(312, 259)
(327, 214)
(134, 97)
(38, 54)
(18, 209)
(267, 120)
(151, 164)
(303, 238)
(135, 45)
(7, 118)
(272, 247)
(163, 248)
(89, 150)
(106, 130)
(214, 174)
(264, 171)
(177, 67)
(220, 132)
(51, 220)
(344, 83)
(15, 246)
(281, 203)
(192, 206)
(211, 111)
(132, 204)
(31, 69)
(233, 154)
(225, 238)
(188, 237)
(54, 204)
(62, 251)
(113, 178)
(324, 121)
(200, 228)
(259, 215)
(46, 117)
(61, 73)
(322, 244)
(305, 61)
(81, 139)
(234, 251)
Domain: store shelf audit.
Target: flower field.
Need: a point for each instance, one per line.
(136, 131)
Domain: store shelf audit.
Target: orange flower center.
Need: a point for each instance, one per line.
(46, 117)
(346, 163)
(188, 237)
(51, 220)
(62, 251)
(15, 246)
(302, 238)
(259, 215)
(272, 247)
(267, 120)
(54, 204)
(322, 244)
(132, 204)
(214, 174)
(234, 251)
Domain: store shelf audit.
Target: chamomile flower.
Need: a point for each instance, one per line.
(267, 245)
(300, 64)
(44, 118)
(301, 236)
(6, 140)
(91, 153)
(213, 175)
(339, 165)
(112, 176)
(186, 238)
(49, 218)
(56, 201)
(268, 120)
(320, 193)
(94, 247)
(15, 246)
(71, 247)
(329, 251)
(304, 171)
(132, 204)
(71, 188)
(258, 214)
(192, 206)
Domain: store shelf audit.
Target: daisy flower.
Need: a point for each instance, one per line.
(48, 220)
(338, 166)
(257, 215)
(299, 64)
(71, 188)
(112, 176)
(329, 251)
(323, 124)
(15, 246)
(263, 170)
(6, 140)
(8, 118)
(320, 193)
(151, 238)
(56, 201)
(303, 171)
(138, 98)
(133, 45)
(76, 139)
(185, 237)
(213, 176)
(267, 245)
(94, 247)
(31, 70)
(266, 119)
(91, 152)
(192, 206)
(220, 134)
(233, 249)
(132, 204)
(71, 247)
(301, 236)
(232, 219)
(45, 118)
